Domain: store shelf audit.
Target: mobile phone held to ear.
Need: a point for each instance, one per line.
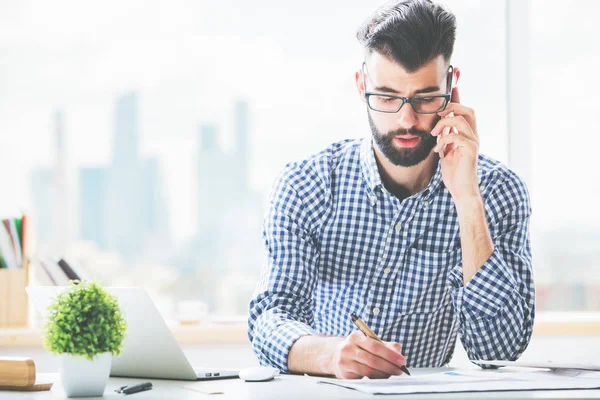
(446, 130)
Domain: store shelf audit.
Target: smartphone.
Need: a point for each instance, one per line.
(446, 130)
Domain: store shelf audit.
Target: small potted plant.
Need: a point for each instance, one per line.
(85, 326)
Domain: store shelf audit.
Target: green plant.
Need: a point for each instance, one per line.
(84, 320)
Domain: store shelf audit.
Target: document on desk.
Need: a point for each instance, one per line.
(473, 381)
(540, 364)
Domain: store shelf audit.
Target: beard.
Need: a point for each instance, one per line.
(404, 157)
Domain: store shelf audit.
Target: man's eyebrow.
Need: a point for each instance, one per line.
(428, 89)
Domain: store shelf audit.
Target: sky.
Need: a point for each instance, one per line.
(294, 63)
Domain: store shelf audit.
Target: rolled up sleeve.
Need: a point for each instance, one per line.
(280, 311)
(495, 309)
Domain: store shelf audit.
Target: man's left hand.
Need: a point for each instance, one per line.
(460, 149)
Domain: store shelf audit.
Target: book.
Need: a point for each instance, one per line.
(16, 240)
(40, 275)
(6, 248)
(81, 272)
(25, 237)
(55, 271)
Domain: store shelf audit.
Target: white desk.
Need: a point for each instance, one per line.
(284, 387)
(575, 349)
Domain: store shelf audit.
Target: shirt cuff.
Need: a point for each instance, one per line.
(486, 293)
(277, 346)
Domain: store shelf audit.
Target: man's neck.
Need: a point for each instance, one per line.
(403, 182)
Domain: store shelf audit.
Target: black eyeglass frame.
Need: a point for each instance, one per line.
(410, 100)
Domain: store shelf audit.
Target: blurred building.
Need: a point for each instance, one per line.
(136, 211)
(43, 192)
(124, 212)
(92, 199)
(49, 188)
(228, 241)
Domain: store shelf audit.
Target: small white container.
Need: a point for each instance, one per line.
(81, 377)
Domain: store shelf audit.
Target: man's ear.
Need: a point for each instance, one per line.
(360, 84)
(456, 76)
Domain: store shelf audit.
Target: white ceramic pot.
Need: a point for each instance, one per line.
(81, 377)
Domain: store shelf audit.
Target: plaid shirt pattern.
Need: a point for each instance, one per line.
(338, 242)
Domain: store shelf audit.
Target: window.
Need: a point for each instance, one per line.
(145, 137)
(565, 124)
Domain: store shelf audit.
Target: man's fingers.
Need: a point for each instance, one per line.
(380, 349)
(394, 345)
(364, 370)
(456, 140)
(455, 98)
(458, 122)
(460, 110)
(375, 362)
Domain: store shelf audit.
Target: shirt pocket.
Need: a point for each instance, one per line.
(422, 282)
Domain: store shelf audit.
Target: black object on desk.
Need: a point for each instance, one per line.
(141, 387)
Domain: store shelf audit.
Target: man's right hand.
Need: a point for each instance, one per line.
(351, 357)
(358, 355)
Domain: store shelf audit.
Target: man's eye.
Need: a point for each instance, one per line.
(388, 99)
(425, 99)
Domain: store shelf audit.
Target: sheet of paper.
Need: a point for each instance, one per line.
(472, 381)
(206, 387)
(541, 364)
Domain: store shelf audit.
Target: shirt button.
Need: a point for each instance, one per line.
(376, 311)
(386, 271)
(425, 204)
(398, 227)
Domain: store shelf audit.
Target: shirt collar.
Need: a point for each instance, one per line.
(368, 165)
(371, 175)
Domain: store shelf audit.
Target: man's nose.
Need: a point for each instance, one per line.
(406, 117)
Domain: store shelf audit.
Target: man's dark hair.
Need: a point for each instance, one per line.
(410, 32)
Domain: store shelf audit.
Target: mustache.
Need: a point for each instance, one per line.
(405, 132)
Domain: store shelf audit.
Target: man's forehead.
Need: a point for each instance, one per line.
(383, 71)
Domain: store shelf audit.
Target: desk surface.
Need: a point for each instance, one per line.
(285, 387)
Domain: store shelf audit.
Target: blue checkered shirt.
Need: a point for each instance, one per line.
(338, 242)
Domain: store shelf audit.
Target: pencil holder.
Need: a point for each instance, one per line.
(13, 298)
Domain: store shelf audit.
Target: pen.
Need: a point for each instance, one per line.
(134, 388)
(368, 332)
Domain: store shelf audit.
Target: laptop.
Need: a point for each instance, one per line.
(149, 349)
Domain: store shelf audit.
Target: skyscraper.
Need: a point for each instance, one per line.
(212, 183)
(92, 200)
(154, 206)
(61, 215)
(49, 188)
(228, 243)
(241, 147)
(124, 190)
(43, 193)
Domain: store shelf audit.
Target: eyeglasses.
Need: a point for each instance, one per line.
(421, 104)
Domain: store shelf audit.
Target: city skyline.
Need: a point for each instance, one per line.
(218, 171)
(223, 200)
(190, 62)
(123, 210)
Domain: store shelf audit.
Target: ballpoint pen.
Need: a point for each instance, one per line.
(368, 332)
(134, 388)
